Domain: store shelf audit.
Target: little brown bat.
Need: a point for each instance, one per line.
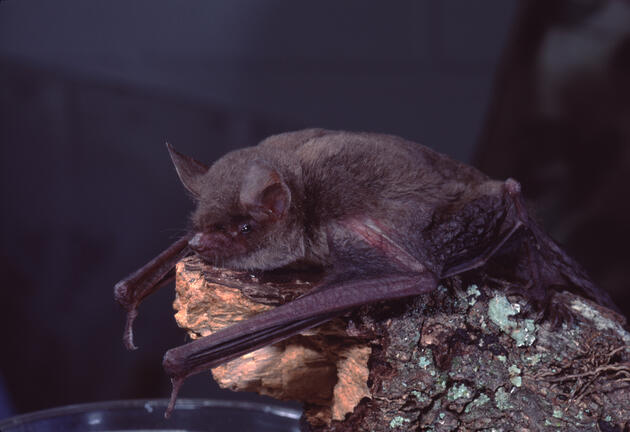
(386, 218)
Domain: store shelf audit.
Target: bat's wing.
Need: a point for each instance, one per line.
(326, 301)
(287, 320)
(130, 291)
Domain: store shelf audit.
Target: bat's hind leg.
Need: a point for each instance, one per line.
(516, 218)
(541, 263)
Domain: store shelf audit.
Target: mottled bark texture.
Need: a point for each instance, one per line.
(461, 358)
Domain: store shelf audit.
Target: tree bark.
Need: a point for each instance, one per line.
(462, 358)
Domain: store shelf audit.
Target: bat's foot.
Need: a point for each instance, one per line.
(550, 310)
(556, 313)
(546, 309)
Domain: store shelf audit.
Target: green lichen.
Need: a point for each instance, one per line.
(601, 322)
(557, 418)
(398, 421)
(456, 392)
(516, 381)
(532, 360)
(554, 423)
(500, 310)
(440, 383)
(502, 399)
(514, 370)
(502, 358)
(482, 399)
(424, 362)
(420, 397)
(473, 292)
(426, 358)
(526, 334)
(515, 377)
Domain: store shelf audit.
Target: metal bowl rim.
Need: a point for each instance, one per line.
(149, 405)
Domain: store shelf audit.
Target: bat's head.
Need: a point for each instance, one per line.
(246, 216)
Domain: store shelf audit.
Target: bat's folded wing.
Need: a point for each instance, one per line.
(287, 320)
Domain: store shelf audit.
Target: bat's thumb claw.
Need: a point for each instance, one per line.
(177, 384)
(128, 333)
(128, 342)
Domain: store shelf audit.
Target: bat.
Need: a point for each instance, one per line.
(385, 217)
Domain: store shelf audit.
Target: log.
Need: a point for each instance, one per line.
(465, 358)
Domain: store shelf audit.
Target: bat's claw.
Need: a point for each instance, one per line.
(128, 332)
(560, 314)
(177, 384)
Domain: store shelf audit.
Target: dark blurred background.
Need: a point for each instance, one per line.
(90, 91)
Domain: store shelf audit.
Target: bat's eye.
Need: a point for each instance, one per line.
(245, 228)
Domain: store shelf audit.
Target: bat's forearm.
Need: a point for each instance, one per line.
(324, 303)
(287, 320)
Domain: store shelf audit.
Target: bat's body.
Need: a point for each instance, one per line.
(386, 218)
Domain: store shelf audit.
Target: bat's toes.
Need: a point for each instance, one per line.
(556, 313)
(529, 310)
(548, 309)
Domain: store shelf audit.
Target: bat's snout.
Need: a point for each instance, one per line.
(203, 243)
(196, 242)
(214, 244)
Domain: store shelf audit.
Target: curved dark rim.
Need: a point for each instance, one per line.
(149, 404)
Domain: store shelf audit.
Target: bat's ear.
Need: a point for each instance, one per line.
(188, 169)
(264, 193)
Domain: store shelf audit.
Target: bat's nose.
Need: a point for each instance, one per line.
(206, 244)
(209, 244)
(196, 242)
